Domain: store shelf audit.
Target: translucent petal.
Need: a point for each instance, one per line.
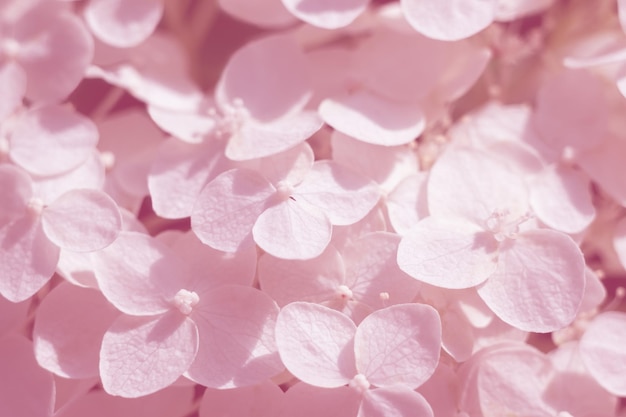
(602, 351)
(314, 280)
(291, 166)
(262, 400)
(326, 14)
(228, 207)
(399, 345)
(344, 196)
(82, 220)
(397, 401)
(449, 20)
(69, 139)
(373, 119)
(27, 259)
(189, 127)
(13, 85)
(406, 204)
(256, 140)
(448, 253)
(122, 23)
(603, 162)
(69, 327)
(509, 10)
(561, 198)
(316, 344)
(179, 172)
(138, 274)
(619, 241)
(26, 390)
(236, 345)
(17, 191)
(268, 13)
(539, 283)
(292, 230)
(141, 355)
(270, 76)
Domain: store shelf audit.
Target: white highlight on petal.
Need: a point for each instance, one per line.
(284, 190)
(345, 292)
(36, 205)
(186, 300)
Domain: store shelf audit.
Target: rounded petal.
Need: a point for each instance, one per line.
(17, 190)
(256, 140)
(190, 127)
(123, 23)
(561, 198)
(27, 259)
(373, 119)
(26, 390)
(539, 283)
(69, 327)
(141, 355)
(292, 230)
(179, 172)
(327, 14)
(316, 344)
(406, 204)
(138, 274)
(449, 20)
(13, 85)
(228, 207)
(399, 345)
(448, 253)
(52, 140)
(602, 351)
(237, 347)
(82, 220)
(398, 401)
(343, 195)
(270, 76)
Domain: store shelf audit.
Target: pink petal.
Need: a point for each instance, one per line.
(509, 10)
(12, 315)
(441, 391)
(68, 331)
(27, 259)
(305, 400)
(90, 174)
(572, 111)
(138, 274)
(268, 13)
(256, 140)
(54, 67)
(13, 85)
(292, 230)
(539, 283)
(179, 172)
(314, 280)
(326, 14)
(398, 401)
(69, 139)
(399, 345)
(17, 191)
(373, 119)
(141, 355)
(316, 344)
(269, 75)
(406, 204)
(82, 220)
(372, 271)
(619, 241)
(448, 253)
(561, 198)
(188, 127)
(26, 390)
(344, 196)
(121, 23)
(603, 162)
(262, 400)
(291, 166)
(228, 207)
(449, 20)
(236, 331)
(602, 351)
(471, 184)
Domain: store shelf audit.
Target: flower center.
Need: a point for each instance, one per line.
(284, 190)
(35, 205)
(360, 383)
(344, 292)
(185, 301)
(503, 225)
(232, 118)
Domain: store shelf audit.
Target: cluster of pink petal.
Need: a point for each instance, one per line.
(337, 208)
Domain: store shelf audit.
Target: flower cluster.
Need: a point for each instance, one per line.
(280, 208)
